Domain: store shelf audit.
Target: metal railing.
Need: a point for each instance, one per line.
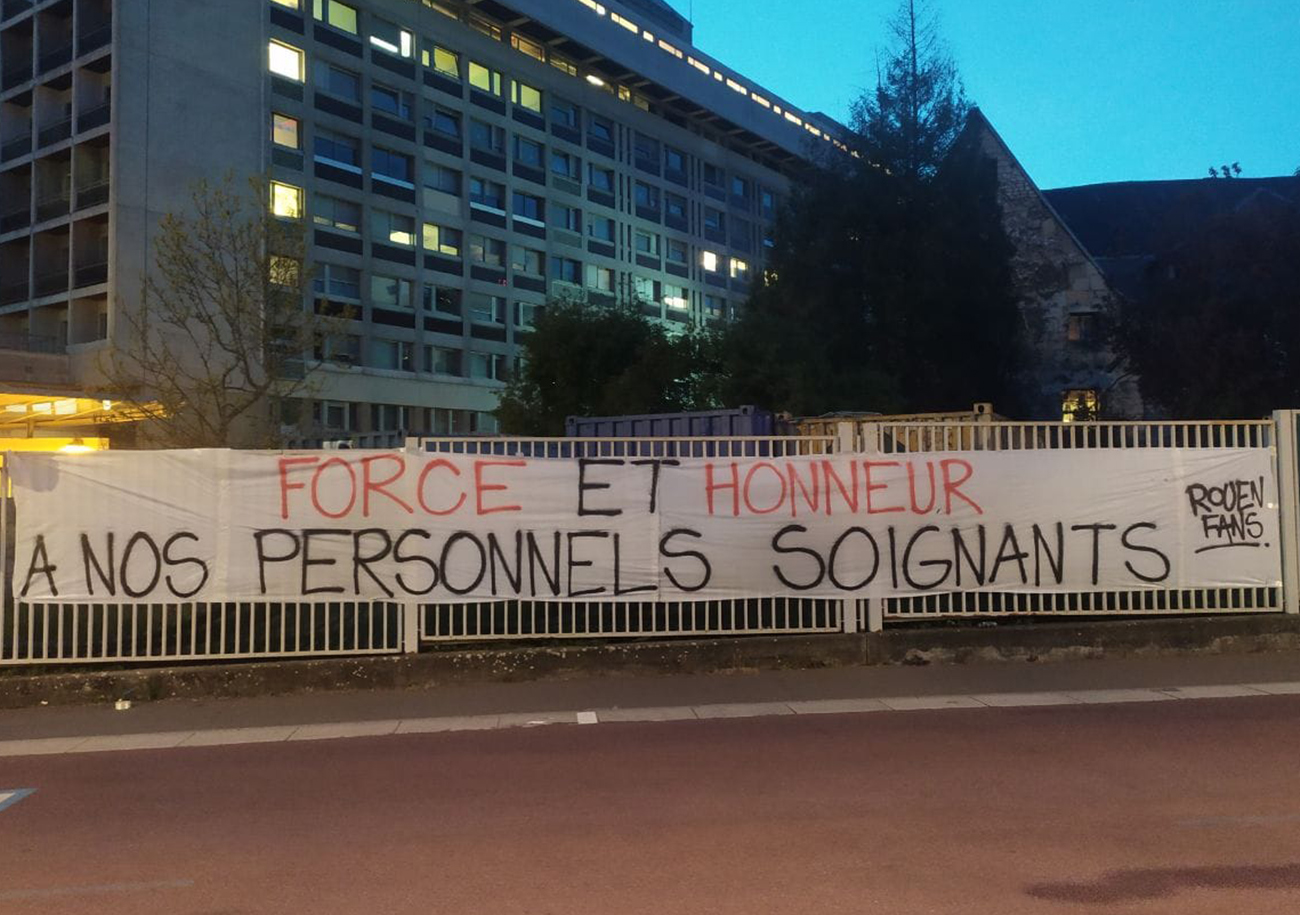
(58, 633)
(95, 117)
(30, 343)
(92, 195)
(54, 133)
(669, 447)
(51, 283)
(90, 274)
(979, 435)
(16, 148)
(53, 207)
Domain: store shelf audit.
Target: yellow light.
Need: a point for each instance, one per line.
(595, 80)
(76, 446)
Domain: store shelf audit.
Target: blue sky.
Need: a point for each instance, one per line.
(1083, 91)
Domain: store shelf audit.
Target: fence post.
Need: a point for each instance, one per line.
(875, 614)
(410, 627)
(846, 438)
(1288, 489)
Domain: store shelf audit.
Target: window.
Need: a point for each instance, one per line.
(395, 228)
(387, 417)
(391, 166)
(337, 282)
(439, 360)
(442, 239)
(602, 179)
(674, 159)
(337, 213)
(528, 152)
(1080, 406)
(566, 270)
(444, 122)
(715, 307)
(286, 61)
(390, 292)
(566, 165)
(337, 81)
(647, 243)
(742, 234)
(341, 349)
(488, 366)
(529, 206)
(646, 289)
(677, 251)
(676, 297)
(526, 313)
(675, 206)
(647, 196)
(441, 178)
(443, 61)
(489, 251)
(528, 46)
(391, 38)
(565, 113)
(485, 79)
(646, 148)
(526, 96)
(767, 203)
(566, 217)
(486, 309)
(487, 194)
(332, 414)
(337, 149)
(1081, 328)
(740, 188)
(601, 228)
(285, 131)
(527, 260)
(485, 25)
(601, 128)
(486, 137)
(284, 272)
(394, 355)
(713, 175)
(339, 15)
(286, 200)
(739, 269)
(563, 64)
(292, 4)
(443, 300)
(390, 100)
(709, 261)
(714, 220)
(600, 278)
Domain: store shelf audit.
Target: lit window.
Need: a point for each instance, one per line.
(739, 269)
(1081, 328)
(388, 37)
(286, 200)
(395, 228)
(484, 25)
(339, 15)
(528, 46)
(484, 78)
(1080, 406)
(709, 261)
(286, 61)
(284, 131)
(284, 271)
(563, 64)
(442, 239)
(292, 4)
(525, 96)
(445, 62)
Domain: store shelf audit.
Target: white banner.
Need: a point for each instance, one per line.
(225, 525)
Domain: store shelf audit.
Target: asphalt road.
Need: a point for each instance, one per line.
(1182, 807)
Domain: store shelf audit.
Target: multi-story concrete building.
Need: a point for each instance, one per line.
(457, 164)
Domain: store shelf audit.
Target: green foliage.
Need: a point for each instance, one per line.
(587, 360)
(1218, 335)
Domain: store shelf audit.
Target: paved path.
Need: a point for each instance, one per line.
(1183, 807)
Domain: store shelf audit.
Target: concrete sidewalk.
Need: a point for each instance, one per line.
(608, 698)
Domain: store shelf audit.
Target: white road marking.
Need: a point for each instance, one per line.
(348, 729)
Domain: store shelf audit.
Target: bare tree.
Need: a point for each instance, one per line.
(216, 344)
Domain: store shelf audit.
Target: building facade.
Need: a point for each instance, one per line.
(456, 166)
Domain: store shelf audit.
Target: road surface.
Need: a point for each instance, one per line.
(1163, 807)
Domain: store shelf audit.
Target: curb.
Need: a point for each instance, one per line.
(447, 666)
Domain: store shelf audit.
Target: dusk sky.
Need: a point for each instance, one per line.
(1083, 91)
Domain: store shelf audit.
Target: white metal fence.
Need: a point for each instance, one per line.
(106, 633)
